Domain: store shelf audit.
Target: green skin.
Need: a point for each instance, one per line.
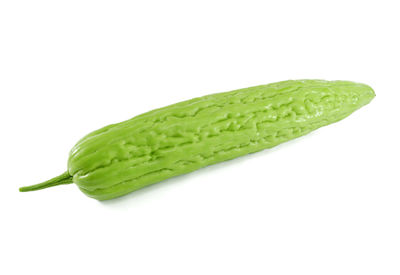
(183, 137)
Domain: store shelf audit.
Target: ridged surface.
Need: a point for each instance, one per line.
(186, 136)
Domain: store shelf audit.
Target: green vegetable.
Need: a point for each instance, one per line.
(180, 138)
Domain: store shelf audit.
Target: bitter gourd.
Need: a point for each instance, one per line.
(177, 139)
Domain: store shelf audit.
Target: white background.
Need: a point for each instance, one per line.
(327, 203)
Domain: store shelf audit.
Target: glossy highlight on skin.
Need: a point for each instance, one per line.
(183, 137)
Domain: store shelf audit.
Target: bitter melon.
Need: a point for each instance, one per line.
(180, 138)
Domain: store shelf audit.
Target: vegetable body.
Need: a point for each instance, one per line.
(183, 137)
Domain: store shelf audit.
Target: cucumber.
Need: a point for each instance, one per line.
(183, 137)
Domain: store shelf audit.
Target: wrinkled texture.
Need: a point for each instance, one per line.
(186, 136)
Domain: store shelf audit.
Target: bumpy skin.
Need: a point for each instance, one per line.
(186, 136)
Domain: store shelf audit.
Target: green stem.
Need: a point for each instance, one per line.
(64, 178)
